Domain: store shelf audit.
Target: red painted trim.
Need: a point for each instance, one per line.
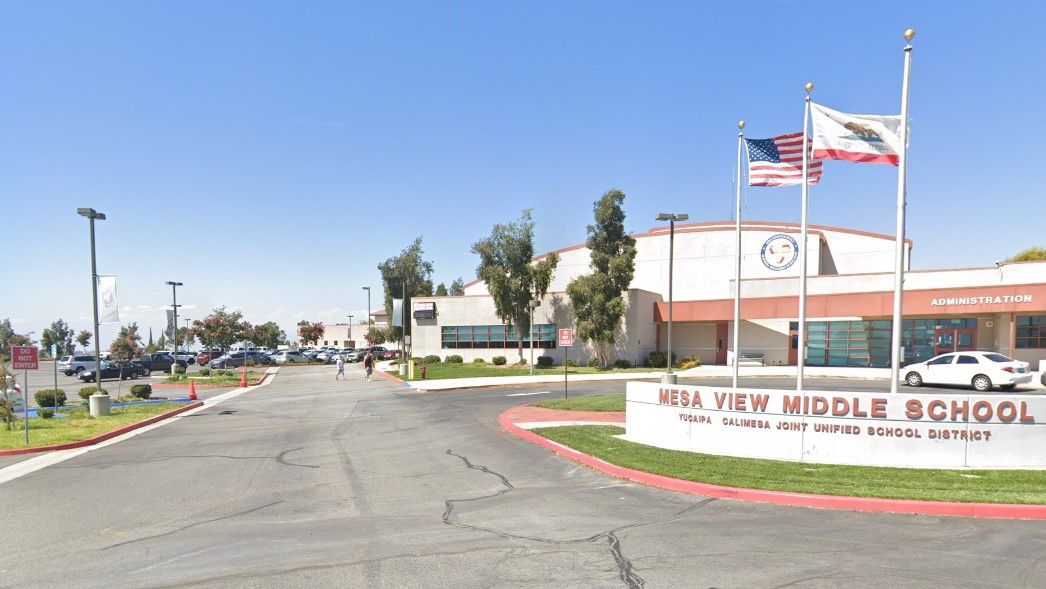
(986, 510)
(210, 386)
(856, 156)
(388, 376)
(103, 437)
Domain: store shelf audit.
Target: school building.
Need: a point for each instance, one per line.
(1000, 307)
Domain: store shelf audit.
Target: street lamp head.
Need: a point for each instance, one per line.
(672, 217)
(664, 217)
(682, 217)
(173, 283)
(90, 213)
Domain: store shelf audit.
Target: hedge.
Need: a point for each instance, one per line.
(46, 397)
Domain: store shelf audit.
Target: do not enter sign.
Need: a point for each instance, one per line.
(566, 337)
(24, 358)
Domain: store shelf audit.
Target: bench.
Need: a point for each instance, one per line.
(753, 358)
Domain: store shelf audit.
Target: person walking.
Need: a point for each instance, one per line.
(341, 367)
(368, 363)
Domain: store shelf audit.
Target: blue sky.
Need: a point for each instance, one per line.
(269, 155)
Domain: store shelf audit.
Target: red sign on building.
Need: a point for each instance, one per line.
(566, 337)
(24, 358)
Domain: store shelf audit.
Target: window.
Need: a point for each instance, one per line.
(946, 359)
(1031, 331)
(494, 336)
(967, 360)
(997, 358)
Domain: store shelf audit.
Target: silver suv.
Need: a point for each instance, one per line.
(70, 365)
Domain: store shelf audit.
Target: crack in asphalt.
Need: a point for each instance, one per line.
(193, 525)
(626, 570)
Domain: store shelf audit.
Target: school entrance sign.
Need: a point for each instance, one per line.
(859, 428)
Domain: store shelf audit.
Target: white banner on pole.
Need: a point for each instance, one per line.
(108, 309)
(397, 313)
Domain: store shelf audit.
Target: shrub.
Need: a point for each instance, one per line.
(45, 413)
(86, 392)
(204, 372)
(454, 359)
(572, 362)
(179, 369)
(622, 363)
(250, 363)
(46, 397)
(226, 373)
(141, 391)
(430, 359)
(544, 361)
(499, 360)
(479, 361)
(593, 362)
(688, 363)
(657, 360)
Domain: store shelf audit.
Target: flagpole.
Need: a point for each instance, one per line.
(902, 187)
(801, 343)
(737, 273)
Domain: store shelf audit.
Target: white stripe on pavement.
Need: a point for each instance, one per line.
(527, 394)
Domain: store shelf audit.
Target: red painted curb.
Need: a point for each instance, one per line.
(104, 436)
(388, 376)
(905, 506)
(209, 386)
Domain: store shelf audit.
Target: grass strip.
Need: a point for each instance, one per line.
(612, 402)
(969, 486)
(443, 370)
(79, 425)
(231, 378)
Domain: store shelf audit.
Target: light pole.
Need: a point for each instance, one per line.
(369, 320)
(174, 324)
(670, 377)
(93, 215)
(534, 304)
(350, 332)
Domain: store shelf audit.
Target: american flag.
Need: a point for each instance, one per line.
(778, 161)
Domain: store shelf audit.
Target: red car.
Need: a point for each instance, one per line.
(205, 356)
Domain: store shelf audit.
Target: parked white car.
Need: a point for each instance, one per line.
(981, 370)
(289, 357)
(70, 365)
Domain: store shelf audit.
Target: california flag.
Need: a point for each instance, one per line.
(872, 139)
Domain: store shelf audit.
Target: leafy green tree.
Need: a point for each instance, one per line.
(513, 277)
(457, 288)
(1030, 255)
(408, 268)
(598, 298)
(127, 345)
(441, 290)
(309, 333)
(221, 329)
(268, 335)
(9, 338)
(60, 335)
(161, 344)
(377, 335)
(83, 338)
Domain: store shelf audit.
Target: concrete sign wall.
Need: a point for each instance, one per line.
(839, 427)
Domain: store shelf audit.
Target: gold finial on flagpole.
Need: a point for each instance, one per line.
(909, 34)
(809, 87)
(740, 124)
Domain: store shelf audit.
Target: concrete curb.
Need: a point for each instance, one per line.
(104, 436)
(903, 506)
(392, 378)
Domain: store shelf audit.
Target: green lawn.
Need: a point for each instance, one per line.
(443, 370)
(78, 426)
(232, 378)
(982, 486)
(613, 402)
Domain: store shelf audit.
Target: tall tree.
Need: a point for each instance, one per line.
(309, 333)
(376, 335)
(83, 338)
(268, 335)
(441, 290)
(221, 329)
(408, 268)
(598, 298)
(513, 278)
(127, 344)
(9, 338)
(60, 335)
(457, 288)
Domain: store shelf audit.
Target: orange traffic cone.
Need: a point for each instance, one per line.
(243, 378)
(192, 390)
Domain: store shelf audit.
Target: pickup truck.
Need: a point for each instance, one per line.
(161, 362)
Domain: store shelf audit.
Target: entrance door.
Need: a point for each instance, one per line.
(720, 343)
(947, 339)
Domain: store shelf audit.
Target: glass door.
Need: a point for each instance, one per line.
(948, 339)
